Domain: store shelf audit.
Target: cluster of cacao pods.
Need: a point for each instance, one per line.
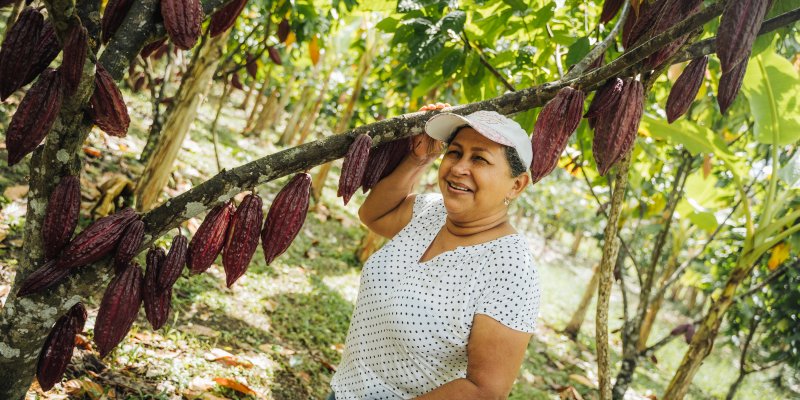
(354, 166)
(615, 113)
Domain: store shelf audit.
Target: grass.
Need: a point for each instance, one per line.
(284, 325)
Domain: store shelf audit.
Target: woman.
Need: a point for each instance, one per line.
(445, 309)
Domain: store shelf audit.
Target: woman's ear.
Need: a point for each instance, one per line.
(520, 183)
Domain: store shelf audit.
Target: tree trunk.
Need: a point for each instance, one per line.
(312, 117)
(691, 299)
(156, 126)
(299, 110)
(703, 340)
(610, 249)
(250, 90)
(191, 94)
(655, 304)
(574, 325)
(260, 99)
(576, 242)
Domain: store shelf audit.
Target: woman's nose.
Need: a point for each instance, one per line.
(461, 167)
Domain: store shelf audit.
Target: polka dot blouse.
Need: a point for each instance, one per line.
(412, 320)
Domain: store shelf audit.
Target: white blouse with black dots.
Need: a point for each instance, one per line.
(412, 320)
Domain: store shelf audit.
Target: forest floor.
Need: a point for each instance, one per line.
(278, 333)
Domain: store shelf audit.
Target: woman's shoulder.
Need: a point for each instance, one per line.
(425, 203)
(510, 252)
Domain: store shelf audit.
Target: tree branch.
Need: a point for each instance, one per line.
(771, 277)
(599, 49)
(486, 63)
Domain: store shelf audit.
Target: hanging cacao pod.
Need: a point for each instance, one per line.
(672, 12)
(243, 235)
(114, 13)
(355, 163)
(225, 17)
(173, 263)
(283, 30)
(251, 66)
(235, 82)
(76, 47)
(118, 308)
(556, 122)
(685, 88)
(61, 216)
(17, 51)
(615, 131)
(208, 240)
(57, 349)
(129, 243)
(610, 9)
(638, 26)
(738, 28)
(35, 116)
(150, 48)
(156, 301)
(44, 277)
(182, 19)
(605, 97)
(286, 216)
(108, 107)
(383, 159)
(274, 55)
(47, 49)
(729, 84)
(97, 240)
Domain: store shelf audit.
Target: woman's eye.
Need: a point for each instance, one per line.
(453, 153)
(480, 159)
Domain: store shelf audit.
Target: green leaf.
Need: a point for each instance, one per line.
(695, 138)
(790, 173)
(453, 21)
(704, 220)
(453, 61)
(578, 50)
(770, 85)
(388, 24)
(517, 5)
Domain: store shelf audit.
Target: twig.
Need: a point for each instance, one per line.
(771, 277)
(599, 49)
(486, 63)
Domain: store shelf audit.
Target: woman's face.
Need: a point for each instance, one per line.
(475, 177)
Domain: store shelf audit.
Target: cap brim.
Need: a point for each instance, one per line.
(441, 126)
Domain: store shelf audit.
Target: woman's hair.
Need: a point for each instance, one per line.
(514, 161)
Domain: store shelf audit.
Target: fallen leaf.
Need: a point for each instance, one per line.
(223, 357)
(80, 387)
(232, 384)
(15, 192)
(91, 151)
(199, 330)
(197, 395)
(82, 342)
(569, 393)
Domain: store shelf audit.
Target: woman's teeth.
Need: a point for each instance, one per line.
(463, 189)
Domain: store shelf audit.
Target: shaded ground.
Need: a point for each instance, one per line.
(279, 331)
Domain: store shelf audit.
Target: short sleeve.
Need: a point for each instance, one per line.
(511, 289)
(425, 203)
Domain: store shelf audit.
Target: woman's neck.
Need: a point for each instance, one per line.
(466, 229)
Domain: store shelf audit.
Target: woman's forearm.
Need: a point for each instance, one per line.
(390, 191)
(459, 389)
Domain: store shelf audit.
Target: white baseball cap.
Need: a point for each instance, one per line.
(494, 126)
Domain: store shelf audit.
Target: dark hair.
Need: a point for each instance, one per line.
(514, 161)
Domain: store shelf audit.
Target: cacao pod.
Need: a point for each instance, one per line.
(283, 30)
(108, 107)
(35, 116)
(355, 163)
(173, 263)
(274, 55)
(689, 334)
(209, 238)
(638, 26)
(129, 243)
(182, 19)
(47, 49)
(149, 49)
(685, 89)
(61, 216)
(251, 66)
(97, 240)
(118, 308)
(44, 277)
(225, 17)
(18, 49)
(556, 122)
(243, 235)
(738, 28)
(680, 329)
(115, 12)
(672, 12)
(383, 160)
(76, 46)
(286, 216)
(235, 82)
(615, 131)
(57, 350)
(605, 97)
(610, 9)
(729, 84)
(156, 301)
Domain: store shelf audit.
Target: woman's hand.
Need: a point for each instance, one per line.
(425, 148)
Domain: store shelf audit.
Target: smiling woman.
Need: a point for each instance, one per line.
(446, 308)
